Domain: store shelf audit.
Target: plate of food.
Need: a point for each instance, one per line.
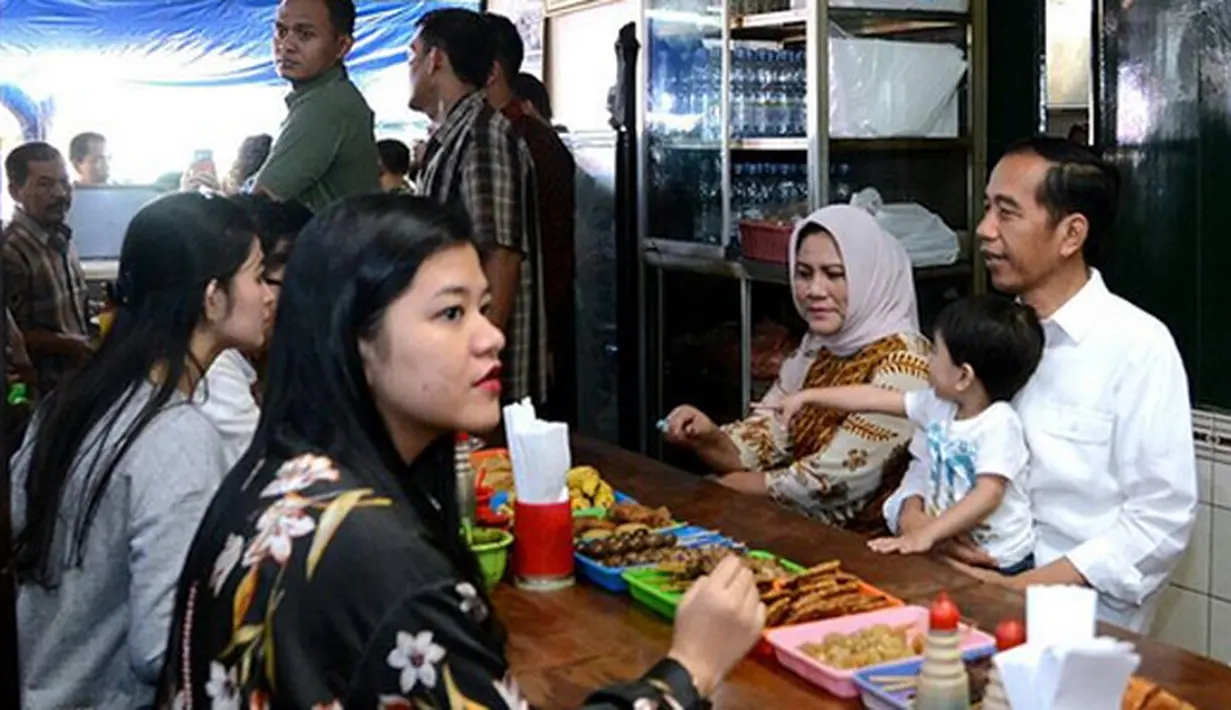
(603, 560)
(892, 687)
(829, 653)
(792, 593)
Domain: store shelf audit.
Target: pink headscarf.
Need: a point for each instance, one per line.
(881, 291)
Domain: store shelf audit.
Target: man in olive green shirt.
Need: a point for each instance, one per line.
(326, 149)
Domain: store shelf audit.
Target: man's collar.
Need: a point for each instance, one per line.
(300, 89)
(44, 234)
(1081, 313)
(460, 114)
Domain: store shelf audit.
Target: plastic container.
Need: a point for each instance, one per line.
(876, 694)
(644, 589)
(787, 640)
(493, 556)
(765, 241)
(612, 578)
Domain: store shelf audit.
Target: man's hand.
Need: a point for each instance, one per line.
(962, 549)
(988, 576)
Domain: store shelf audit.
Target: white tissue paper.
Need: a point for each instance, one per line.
(1063, 666)
(540, 454)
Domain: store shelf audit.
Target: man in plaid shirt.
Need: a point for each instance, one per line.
(44, 284)
(475, 161)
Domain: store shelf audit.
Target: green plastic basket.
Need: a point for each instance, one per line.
(645, 585)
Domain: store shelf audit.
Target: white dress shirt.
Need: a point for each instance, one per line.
(1113, 476)
(227, 400)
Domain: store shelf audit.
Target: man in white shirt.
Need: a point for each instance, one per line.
(1113, 480)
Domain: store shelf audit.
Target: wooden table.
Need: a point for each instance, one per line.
(566, 644)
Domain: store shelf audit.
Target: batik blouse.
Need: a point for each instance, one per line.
(325, 592)
(828, 464)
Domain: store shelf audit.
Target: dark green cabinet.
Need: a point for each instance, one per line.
(1164, 118)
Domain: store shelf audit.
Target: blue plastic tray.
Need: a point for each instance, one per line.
(876, 697)
(612, 579)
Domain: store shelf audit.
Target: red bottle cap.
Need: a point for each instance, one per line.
(944, 614)
(1010, 633)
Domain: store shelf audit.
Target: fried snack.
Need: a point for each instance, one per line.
(1143, 694)
(866, 647)
(820, 592)
(619, 545)
(494, 468)
(581, 526)
(621, 513)
(587, 489)
(662, 555)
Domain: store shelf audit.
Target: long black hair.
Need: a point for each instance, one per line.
(349, 264)
(173, 249)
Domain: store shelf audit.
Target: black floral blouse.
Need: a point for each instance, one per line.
(325, 594)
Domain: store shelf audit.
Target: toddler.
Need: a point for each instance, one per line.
(986, 348)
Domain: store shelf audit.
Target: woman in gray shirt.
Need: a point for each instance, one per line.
(119, 466)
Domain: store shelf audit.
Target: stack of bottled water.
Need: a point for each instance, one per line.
(768, 190)
(768, 92)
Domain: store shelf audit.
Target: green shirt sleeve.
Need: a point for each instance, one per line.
(304, 150)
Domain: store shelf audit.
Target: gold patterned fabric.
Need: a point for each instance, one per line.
(829, 464)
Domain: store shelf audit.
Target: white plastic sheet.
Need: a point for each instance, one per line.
(881, 88)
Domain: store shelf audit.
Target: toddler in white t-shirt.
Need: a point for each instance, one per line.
(986, 348)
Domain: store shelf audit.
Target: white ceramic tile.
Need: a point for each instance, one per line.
(1205, 478)
(1220, 484)
(1183, 620)
(1220, 630)
(1193, 572)
(1220, 553)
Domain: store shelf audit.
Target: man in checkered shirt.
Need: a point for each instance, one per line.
(475, 161)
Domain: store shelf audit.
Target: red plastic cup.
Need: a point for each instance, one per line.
(543, 545)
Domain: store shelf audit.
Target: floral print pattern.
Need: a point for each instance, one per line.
(417, 630)
(416, 657)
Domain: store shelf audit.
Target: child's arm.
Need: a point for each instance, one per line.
(853, 398)
(972, 509)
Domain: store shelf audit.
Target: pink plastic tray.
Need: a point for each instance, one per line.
(786, 643)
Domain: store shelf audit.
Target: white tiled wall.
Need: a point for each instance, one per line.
(1195, 611)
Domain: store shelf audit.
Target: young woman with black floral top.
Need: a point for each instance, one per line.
(328, 572)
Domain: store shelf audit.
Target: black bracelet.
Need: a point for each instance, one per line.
(681, 683)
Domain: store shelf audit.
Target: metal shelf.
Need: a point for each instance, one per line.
(770, 272)
(903, 145)
(863, 22)
(853, 145)
(799, 143)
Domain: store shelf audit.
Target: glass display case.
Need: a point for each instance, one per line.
(683, 123)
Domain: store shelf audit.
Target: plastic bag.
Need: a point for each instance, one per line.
(925, 236)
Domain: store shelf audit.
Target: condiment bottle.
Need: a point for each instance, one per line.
(466, 505)
(943, 683)
(1009, 634)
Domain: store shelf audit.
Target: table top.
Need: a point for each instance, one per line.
(564, 645)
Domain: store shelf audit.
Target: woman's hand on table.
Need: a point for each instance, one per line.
(718, 622)
(688, 426)
(747, 482)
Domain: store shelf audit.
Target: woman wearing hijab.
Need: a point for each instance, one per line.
(852, 283)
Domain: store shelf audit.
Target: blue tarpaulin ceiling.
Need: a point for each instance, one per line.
(180, 42)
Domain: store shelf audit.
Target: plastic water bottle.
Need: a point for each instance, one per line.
(762, 99)
(740, 110)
